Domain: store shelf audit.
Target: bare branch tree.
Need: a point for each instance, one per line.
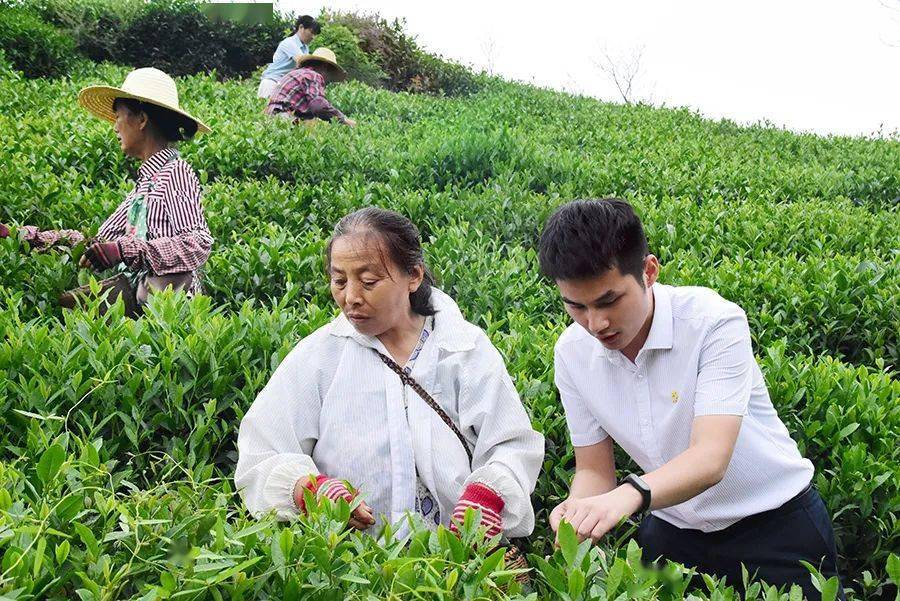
(894, 7)
(489, 49)
(622, 70)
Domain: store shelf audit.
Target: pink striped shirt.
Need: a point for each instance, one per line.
(178, 238)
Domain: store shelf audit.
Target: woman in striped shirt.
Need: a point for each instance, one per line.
(157, 237)
(399, 396)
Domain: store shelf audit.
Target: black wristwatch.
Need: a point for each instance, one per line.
(641, 486)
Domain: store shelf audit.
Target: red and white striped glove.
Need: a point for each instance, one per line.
(322, 486)
(479, 496)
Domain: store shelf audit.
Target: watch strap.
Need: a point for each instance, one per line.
(638, 483)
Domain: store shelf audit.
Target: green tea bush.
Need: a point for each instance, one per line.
(438, 75)
(172, 35)
(32, 46)
(175, 37)
(73, 527)
(405, 65)
(119, 440)
(170, 388)
(274, 262)
(847, 421)
(95, 26)
(350, 56)
(839, 305)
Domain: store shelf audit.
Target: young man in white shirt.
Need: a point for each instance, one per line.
(668, 373)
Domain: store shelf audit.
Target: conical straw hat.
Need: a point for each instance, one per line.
(326, 56)
(147, 85)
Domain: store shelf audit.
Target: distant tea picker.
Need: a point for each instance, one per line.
(157, 237)
(300, 94)
(284, 59)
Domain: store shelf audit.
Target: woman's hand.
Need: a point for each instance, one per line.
(362, 517)
(334, 489)
(479, 496)
(101, 255)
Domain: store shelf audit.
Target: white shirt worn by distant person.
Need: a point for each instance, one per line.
(333, 407)
(697, 360)
(283, 61)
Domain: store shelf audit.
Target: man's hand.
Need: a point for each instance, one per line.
(593, 517)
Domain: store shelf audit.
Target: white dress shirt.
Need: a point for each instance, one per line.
(333, 407)
(697, 360)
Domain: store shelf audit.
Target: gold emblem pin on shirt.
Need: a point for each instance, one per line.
(674, 396)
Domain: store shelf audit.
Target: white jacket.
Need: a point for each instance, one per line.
(333, 407)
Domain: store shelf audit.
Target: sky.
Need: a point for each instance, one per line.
(828, 67)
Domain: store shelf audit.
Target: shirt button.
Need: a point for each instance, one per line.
(640, 376)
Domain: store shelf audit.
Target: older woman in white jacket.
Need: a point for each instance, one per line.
(335, 412)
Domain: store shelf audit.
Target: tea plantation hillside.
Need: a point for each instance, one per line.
(117, 446)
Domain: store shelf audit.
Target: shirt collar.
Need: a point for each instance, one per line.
(156, 161)
(660, 335)
(450, 331)
(661, 332)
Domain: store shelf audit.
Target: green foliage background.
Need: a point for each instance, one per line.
(117, 447)
(44, 38)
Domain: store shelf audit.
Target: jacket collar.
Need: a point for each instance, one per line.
(452, 332)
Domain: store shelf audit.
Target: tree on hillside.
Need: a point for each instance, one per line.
(489, 50)
(894, 7)
(623, 70)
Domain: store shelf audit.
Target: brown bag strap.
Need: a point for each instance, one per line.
(409, 381)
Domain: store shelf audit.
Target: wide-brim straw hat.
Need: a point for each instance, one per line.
(326, 57)
(146, 85)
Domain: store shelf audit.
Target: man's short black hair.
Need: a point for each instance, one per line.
(586, 238)
(307, 22)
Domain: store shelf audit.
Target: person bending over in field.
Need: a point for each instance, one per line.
(399, 400)
(157, 237)
(668, 373)
(300, 94)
